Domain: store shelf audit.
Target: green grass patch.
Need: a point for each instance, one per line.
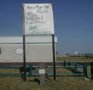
(62, 83)
(68, 58)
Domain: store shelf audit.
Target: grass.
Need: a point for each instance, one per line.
(62, 83)
(68, 58)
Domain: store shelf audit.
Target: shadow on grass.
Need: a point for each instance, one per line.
(35, 80)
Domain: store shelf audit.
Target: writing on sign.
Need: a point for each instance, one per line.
(38, 19)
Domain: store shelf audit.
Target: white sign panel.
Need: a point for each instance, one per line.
(19, 51)
(38, 19)
(42, 71)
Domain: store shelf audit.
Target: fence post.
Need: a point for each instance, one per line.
(30, 69)
(85, 70)
(91, 66)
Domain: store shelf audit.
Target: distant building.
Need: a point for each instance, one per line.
(76, 53)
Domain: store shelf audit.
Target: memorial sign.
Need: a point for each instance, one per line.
(38, 19)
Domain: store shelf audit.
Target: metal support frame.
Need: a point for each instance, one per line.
(24, 58)
(54, 63)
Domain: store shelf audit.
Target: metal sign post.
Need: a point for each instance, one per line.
(42, 73)
(38, 19)
(24, 58)
(54, 63)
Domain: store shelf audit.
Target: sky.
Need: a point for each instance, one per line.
(73, 20)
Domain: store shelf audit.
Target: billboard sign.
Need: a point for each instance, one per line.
(38, 19)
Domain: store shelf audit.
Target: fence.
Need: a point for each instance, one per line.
(77, 69)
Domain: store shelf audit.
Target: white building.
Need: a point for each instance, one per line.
(38, 49)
